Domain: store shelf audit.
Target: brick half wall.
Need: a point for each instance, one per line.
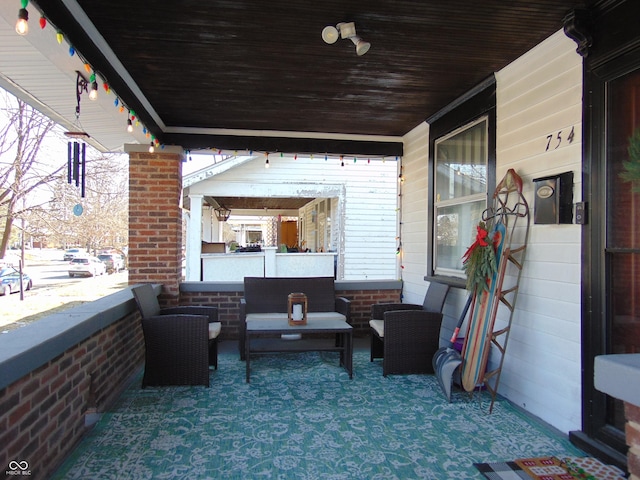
(43, 413)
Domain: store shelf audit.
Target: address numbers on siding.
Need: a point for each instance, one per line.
(562, 137)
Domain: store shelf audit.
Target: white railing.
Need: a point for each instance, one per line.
(268, 263)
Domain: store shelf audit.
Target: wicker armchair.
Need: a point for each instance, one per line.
(406, 336)
(148, 305)
(173, 336)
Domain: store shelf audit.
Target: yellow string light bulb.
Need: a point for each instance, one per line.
(22, 25)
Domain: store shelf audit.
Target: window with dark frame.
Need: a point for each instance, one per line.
(460, 194)
(461, 179)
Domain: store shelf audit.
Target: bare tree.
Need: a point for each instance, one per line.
(21, 169)
(98, 220)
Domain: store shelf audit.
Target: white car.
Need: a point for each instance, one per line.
(72, 253)
(83, 266)
(113, 261)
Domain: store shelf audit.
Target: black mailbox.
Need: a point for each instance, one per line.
(553, 199)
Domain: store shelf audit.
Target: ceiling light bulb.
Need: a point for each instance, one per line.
(22, 25)
(129, 125)
(151, 148)
(330, 34)
(93, 94)
(266, 163)
(362, 47)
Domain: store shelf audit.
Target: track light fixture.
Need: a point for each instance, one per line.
(345, 30)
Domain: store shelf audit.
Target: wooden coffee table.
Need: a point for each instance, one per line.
(276, 328)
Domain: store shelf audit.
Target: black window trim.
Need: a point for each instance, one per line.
(476, 103)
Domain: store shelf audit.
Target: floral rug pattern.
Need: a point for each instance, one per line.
(301, 417)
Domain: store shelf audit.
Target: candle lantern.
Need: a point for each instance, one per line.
(297, 309)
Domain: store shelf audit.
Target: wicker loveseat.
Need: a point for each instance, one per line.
(267, 298)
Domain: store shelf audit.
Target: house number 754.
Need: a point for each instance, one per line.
(554, 141)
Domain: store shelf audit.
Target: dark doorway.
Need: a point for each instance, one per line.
(611, 239)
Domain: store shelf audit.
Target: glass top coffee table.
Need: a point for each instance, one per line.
(277, 327)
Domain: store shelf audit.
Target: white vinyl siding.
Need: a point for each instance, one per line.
(539, 94)
(414, 229)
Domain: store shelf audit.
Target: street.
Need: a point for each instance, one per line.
(53, 289)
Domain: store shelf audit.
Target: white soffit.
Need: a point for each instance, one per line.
(40, 71)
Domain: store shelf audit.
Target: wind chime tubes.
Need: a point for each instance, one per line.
(76, 151)
(76, 164)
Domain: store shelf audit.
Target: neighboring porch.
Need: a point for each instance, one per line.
(320, 215)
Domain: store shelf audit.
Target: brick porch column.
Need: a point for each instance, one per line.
(632, 428)
(618, 375)
(155, 218)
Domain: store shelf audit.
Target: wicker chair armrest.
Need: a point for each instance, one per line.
(378, 309)
(178, 317)
(411, 320)
(343, 306)
(209, 311)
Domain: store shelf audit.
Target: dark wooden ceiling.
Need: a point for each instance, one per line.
(260, 203)
(256, 75)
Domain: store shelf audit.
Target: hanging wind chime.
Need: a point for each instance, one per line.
(77, 149)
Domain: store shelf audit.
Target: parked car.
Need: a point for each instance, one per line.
(72, 253)
(10, 260)
(113, 261)
(10, 281)
(83, 266)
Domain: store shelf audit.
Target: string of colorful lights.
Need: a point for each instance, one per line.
(132, 120)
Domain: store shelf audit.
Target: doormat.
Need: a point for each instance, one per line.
(550, 468)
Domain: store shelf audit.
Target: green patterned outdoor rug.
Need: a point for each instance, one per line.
(301, 417)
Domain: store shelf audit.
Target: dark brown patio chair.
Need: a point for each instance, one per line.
(149, 307)
(176, 350)
(406, 335)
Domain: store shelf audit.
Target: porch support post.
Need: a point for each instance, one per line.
(270, 265)
(194, 238)
(155, 218)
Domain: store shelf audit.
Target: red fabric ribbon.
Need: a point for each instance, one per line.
(481, 241)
